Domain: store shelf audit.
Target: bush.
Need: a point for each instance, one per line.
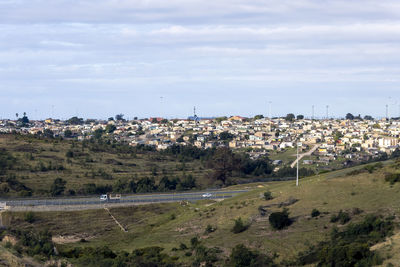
(280, 219)
(182, 246)
(241, 256)
(392, 178)
(29, 217)
(351, 246)
(315, 213)
(342, 217)
(194, 242)
(239, 226)
(268, 195)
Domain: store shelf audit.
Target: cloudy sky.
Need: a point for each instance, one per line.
(144, 58)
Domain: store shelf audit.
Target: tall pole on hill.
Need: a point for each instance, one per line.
(297, 171)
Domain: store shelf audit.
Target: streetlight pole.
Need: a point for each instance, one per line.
(297, 171)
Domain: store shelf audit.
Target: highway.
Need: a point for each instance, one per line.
(133, 199)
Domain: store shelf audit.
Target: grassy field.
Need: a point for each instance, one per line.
(168, 225)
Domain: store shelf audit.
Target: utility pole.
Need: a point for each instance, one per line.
(269, 114)
(312, 112)
(327, 112)
(297, 171)
(387, 112)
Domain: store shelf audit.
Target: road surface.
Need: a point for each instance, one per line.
(308, 153)
(95, 202)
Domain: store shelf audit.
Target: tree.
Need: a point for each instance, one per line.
(300, 117)
(119, 117)
(349, 116)
(223, 163)
(257, 117)
(58, 187)
(239, 226)
(268, 195)
(48, 133)
(75, 121)
(68, 133)
(280, 219)
(241, 256)
(98, 133)
(24, 120)
(290, 117)
(226, 136)
(368, 118)
(315, 213)
(110, 128)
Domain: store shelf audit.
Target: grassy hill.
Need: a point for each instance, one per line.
(358, 191)
(32, 164)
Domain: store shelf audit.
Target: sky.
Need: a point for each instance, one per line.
(148, 58)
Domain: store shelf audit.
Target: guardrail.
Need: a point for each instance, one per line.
(127, 199)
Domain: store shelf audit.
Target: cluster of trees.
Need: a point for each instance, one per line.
(10, 182)
(145, 185)
(291, 172)
(350, 116)
(24, 121)
(224, 163)
(350, 247)
(240, 256)
(38, 244)
(7, 161)
(292, 117)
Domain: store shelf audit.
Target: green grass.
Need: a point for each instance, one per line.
(151, 225)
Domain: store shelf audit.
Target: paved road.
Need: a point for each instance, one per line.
(137, 198)
(308, 153)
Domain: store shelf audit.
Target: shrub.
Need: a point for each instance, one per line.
(315, 213)
(241, 256)
(350, 247)
(280, 219)
(239, 226)
(182, 246)
(392, 178)
(268, 195)
(69, 154)
(342, 217)
(29, 217)
(8, 244)
(194, 242)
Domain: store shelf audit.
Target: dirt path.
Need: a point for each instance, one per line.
(115, 220)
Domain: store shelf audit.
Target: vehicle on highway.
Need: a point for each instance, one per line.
(110, 197)
(207, 195)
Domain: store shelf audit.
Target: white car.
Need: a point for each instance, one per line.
(103, 197)
(207, 195)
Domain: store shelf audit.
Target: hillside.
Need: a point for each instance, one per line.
(358, 192)
(32, 164)
(43, 166)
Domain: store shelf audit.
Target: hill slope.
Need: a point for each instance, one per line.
(169, 225)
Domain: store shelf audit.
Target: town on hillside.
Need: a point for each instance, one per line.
(325, 142)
